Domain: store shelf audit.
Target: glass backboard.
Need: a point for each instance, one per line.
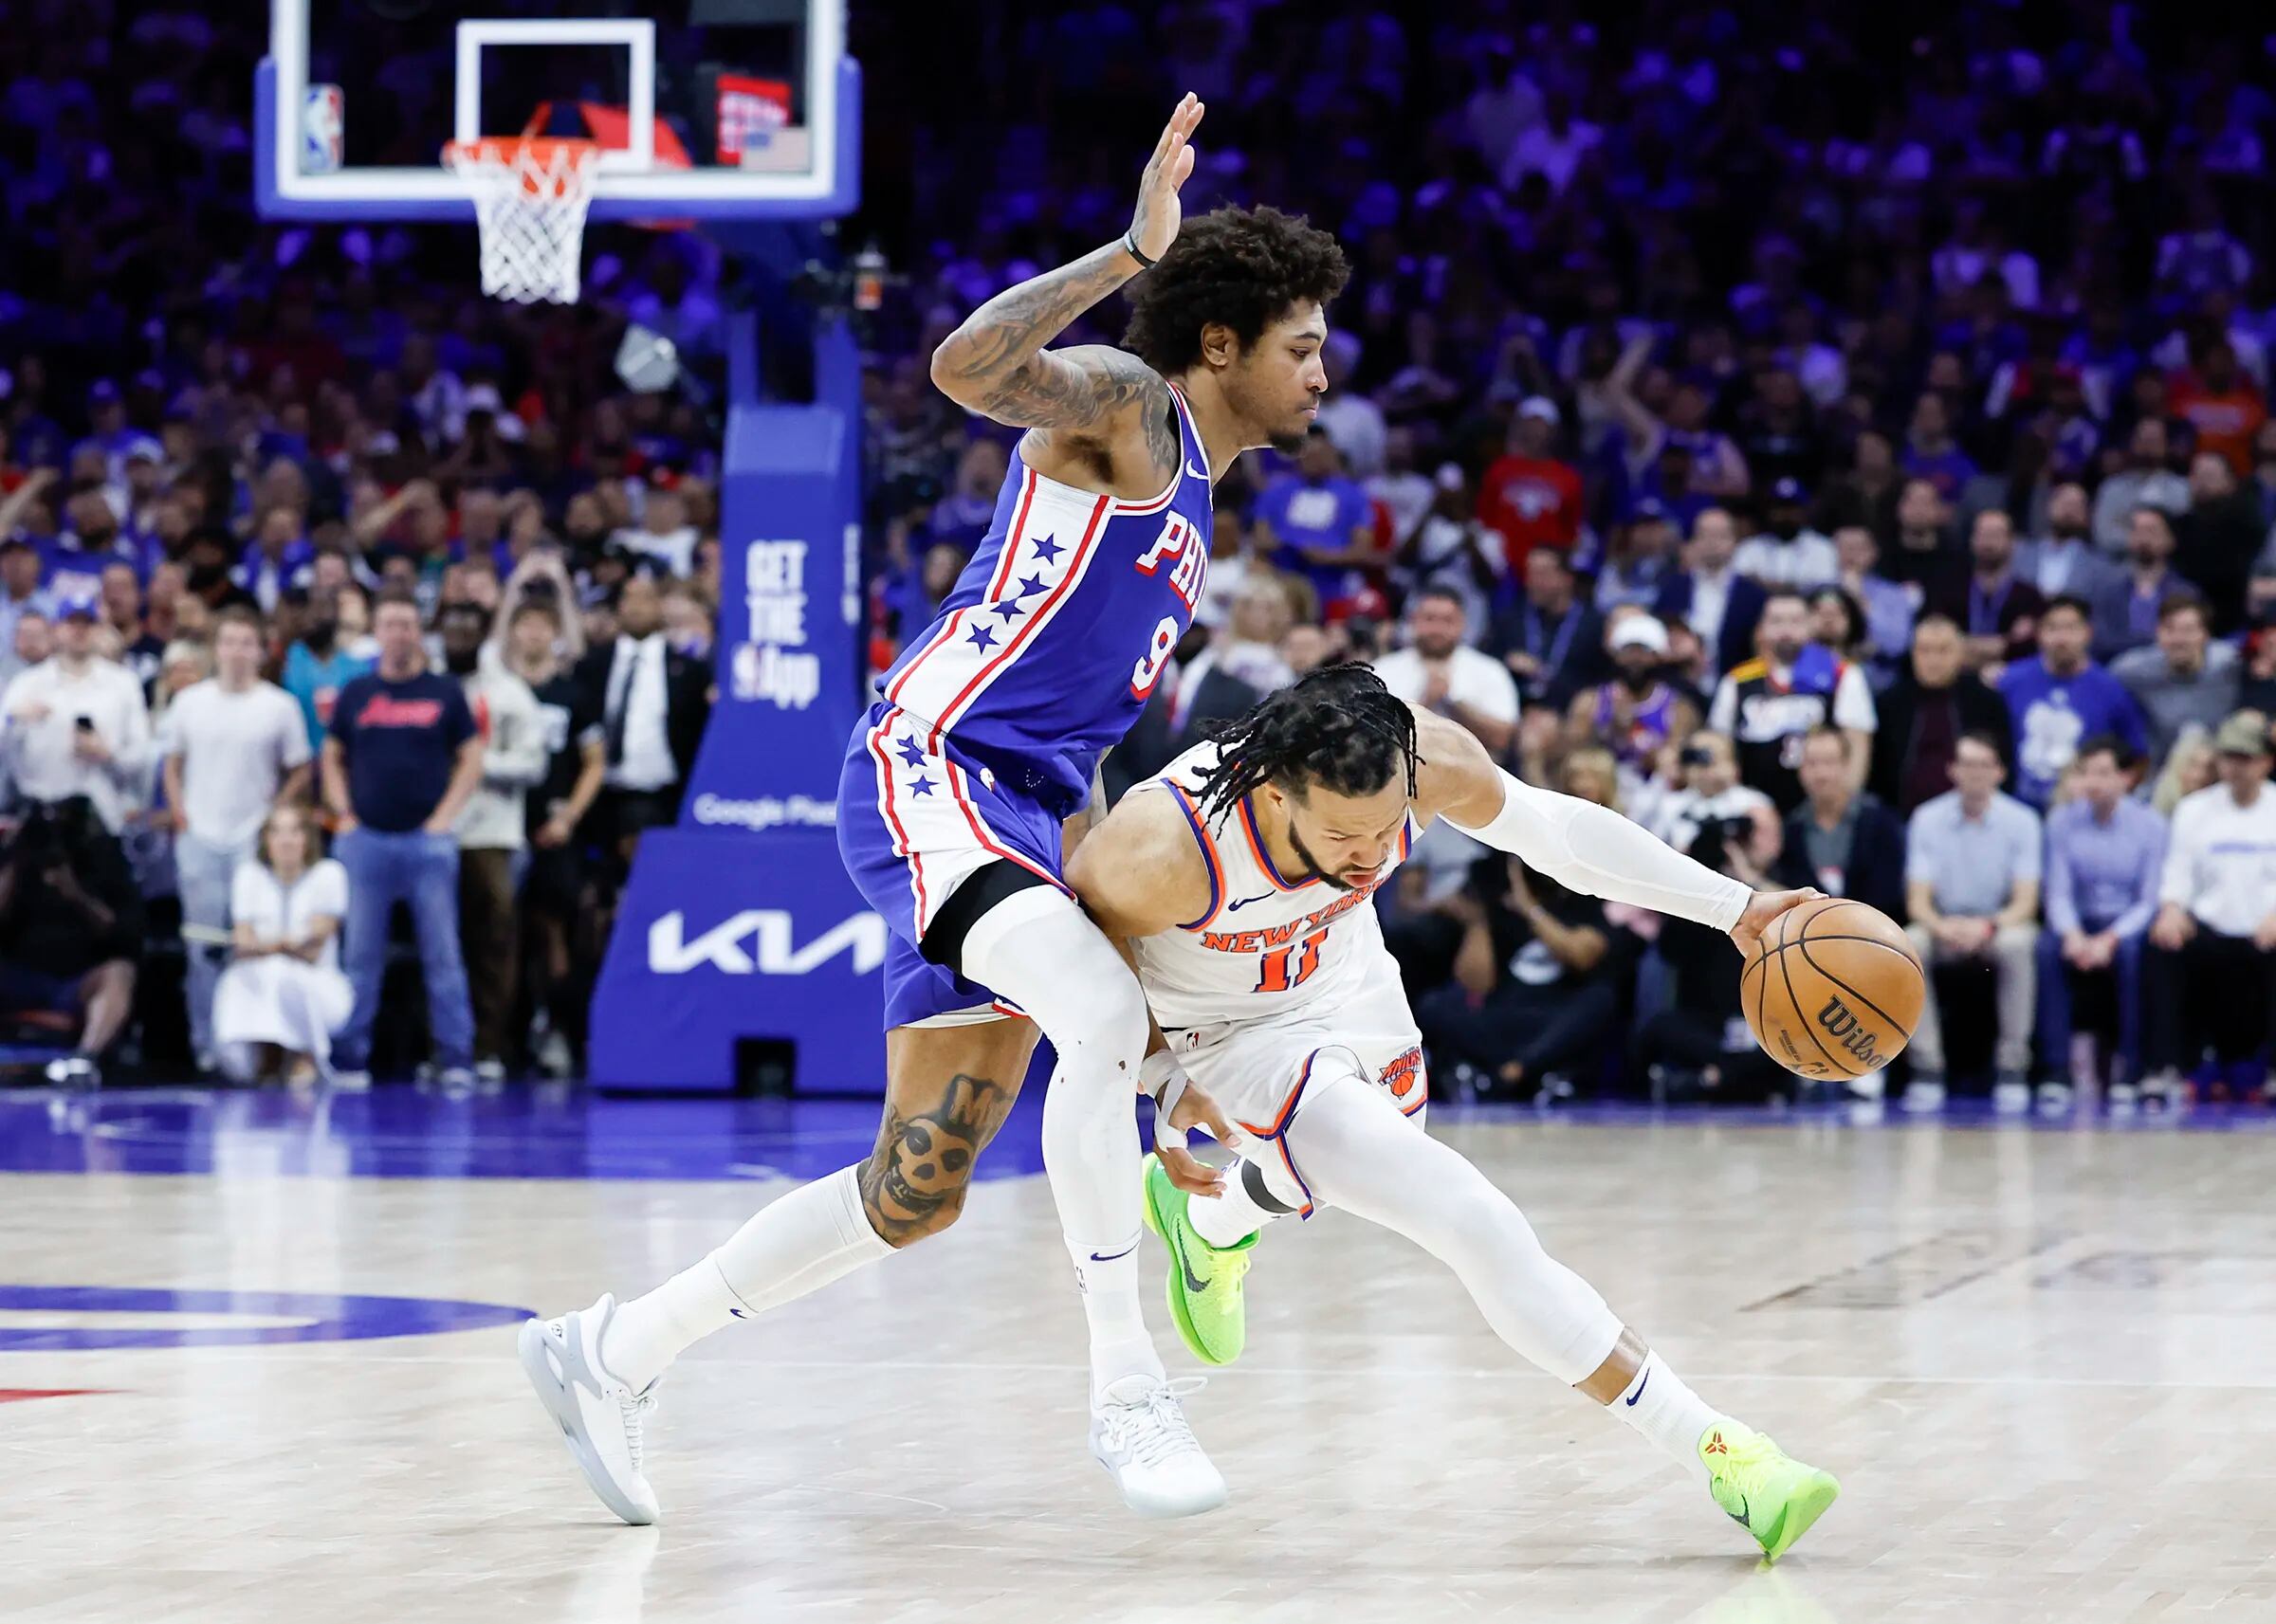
(708, 109)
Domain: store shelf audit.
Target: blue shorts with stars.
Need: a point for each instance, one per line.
(916, 817)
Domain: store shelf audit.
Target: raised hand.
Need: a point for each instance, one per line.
(1154, 225)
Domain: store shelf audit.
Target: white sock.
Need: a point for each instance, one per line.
(798, 1244)
(1658, 1404)
(1233, 1217)
(1120, 1344)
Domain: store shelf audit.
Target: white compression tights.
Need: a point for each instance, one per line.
(1358, 1153)
(1039, 950)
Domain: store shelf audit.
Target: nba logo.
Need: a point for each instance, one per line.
(324, 129)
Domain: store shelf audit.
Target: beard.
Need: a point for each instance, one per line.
(2070, 530)
(1312, 864)
(1287, 442)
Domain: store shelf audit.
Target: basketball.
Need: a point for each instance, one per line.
(1833, 991)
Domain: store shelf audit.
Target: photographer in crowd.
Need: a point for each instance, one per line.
(1699, 1044)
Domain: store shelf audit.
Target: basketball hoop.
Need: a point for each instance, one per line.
(530, 195)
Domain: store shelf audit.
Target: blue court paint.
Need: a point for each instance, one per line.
(402, 1133)
(568, 1133)
(324, 1319)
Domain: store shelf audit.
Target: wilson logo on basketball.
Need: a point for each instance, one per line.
(1843, 1025)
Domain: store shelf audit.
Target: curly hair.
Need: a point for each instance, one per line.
(1338, 727)
(1242, 266)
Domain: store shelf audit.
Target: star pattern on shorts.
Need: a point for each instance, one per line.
(983, 637)
(911, 752)
(1030, 585)
(1048, 550)
(920, 785)
(1010, 607)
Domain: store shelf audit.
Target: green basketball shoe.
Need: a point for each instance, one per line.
(1205, 1280)
(1772, 1495)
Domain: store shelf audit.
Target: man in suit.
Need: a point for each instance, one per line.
(1934, 703)
(652, 702)
(2126, 609)
(1717, 602)
(1553, 641)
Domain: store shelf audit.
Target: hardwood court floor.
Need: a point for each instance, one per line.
(2042, 1362)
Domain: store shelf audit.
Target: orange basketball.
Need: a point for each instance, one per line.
(1834, 991)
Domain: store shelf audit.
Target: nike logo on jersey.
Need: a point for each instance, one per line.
(1236, 907)
(1197, 473)
(1639, 1387)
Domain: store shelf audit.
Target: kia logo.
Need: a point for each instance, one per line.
(761, 942)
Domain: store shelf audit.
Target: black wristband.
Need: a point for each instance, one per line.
(1129, 246)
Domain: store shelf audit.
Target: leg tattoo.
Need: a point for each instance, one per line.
(913, 1183)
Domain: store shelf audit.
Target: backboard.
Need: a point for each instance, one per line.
(709, 109)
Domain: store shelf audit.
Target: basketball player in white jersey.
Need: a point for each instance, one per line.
(1242, 878)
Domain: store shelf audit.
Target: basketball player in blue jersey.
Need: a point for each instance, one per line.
(1242, 878)
(950, 807)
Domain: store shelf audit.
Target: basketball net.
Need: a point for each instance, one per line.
(530, 196)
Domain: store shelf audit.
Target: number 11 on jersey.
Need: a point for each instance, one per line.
(1276, 978)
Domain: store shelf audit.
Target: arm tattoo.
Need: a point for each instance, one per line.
(996, 362)
(913, 1183)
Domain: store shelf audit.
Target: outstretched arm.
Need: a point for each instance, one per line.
(995, 363)
(1578, 844)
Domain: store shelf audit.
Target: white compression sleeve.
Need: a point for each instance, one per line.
(1586, 848)
(1358, 1153)
(1040, 950)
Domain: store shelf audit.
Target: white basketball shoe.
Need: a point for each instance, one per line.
(599, 1415)
(1139, 1434)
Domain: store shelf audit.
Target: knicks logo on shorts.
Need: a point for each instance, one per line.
(1843, 1025)
(1404, 1078)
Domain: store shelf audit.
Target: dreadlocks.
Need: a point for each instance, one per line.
(1338, 727)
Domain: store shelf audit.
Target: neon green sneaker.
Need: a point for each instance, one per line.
(1205, 1280)
(1772, 1495)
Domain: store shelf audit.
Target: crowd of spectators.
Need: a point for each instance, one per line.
(1787, 429)
(1841, 446)
(325, 586)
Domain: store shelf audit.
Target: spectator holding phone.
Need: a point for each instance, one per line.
(76, 725)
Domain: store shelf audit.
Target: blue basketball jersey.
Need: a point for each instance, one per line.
(1061, 625)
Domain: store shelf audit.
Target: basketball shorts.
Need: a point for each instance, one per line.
(1259, 1070)
(916, 818)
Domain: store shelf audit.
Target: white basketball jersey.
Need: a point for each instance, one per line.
(1265, 947)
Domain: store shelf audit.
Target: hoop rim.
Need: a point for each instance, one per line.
(514, 151)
